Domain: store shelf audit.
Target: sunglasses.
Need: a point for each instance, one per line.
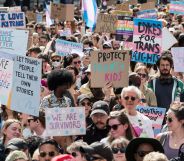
(143, 100)
(38, 27)
(116, 150)
(114, 127)
(91, 158)
(142, 75)
(169, 119)
(74, 154)
(83, 103)
(29, 120)
(131, 97)
(77, 62)
(44, 154)
(56, 60)
(142, 153)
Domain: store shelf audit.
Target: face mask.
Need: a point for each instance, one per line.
(56, 64)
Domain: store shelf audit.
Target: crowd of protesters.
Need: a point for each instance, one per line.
(115, 130)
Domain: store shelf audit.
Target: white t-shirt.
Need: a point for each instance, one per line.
(142, 125)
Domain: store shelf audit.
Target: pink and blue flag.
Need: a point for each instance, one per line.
(89, 8)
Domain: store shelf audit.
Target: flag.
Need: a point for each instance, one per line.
(89, 8)
(48, 19)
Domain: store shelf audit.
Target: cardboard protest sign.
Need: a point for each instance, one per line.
(12, 20)
(123, 6)
(106, 23)
(124, 28)
(31, 16)
(61, 11)
(6, 77)
(167, 35)
(155, 114)
(64, 48)
(4, 9)
(178, 58)
(150, 14)
(13, 41)
(15, 9)
(109, 66)
(148, 6)
(65, 121)
(26, 85)
(147, 39)
(177, 7)
(110, 2)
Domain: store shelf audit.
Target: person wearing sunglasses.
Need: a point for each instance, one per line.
(118, 147)
(142, 125)
(119, 126)
(74, 150)
(85, 101)
(139, 147)
(48, 149)
(142, 71)
(174, 137)
(55, 61)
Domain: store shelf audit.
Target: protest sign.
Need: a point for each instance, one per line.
(6, 77)
(65, 48)
(178, 58)
(66, 32)
(148, 6)
(61, 11)
(12, 20)
(65, 121)
(150, 14)
(13, 41)
(31, 16)
(109, 66)
(177, 7)
(123, 6)
(168, 40)
(4, 9)
(124, 28)
(110, 2)
(155, 114)
(15, 9)
(147, 39)
(106, 23)
(26, 85)
(39, 17)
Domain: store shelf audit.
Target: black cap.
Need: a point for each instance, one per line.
(16, 144)
(100, 107)
(99, 148)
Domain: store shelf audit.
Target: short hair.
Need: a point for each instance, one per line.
(76, 72)
(41, 117)
(44, 37)
(166, 55)
(51, 142)
(88, 42)
(155, 156)
(35, 49)
(131, 89)
(120, 142)
(75, 146)
(58, 78)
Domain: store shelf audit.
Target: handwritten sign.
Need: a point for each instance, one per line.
(64, 48)
(39, 17)
(15, 9)
(65, 121)
(109, 66)
(155, 114)
(26, 85)
(147, 38)
(177, 7)
(12, 20)
(13, 41)
(4, 9)
(150, 14)
(178, 58)
(124, 28)
(6, 76)
(106, 23)
(66, 32)
(31, 16)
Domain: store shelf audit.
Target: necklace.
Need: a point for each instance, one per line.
(177, 141)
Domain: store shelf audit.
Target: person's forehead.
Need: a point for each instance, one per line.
(131, 93)
(47, 147)
(145, 146)
(162, 61)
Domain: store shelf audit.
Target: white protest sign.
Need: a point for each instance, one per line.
(26, 85)
(12, 20)
(14, 41)
(178, 58)
(6, 76)
(168, 40)
(65, 121)
(65, 48)
(66, 32)
(39, 17)
(15, 9)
